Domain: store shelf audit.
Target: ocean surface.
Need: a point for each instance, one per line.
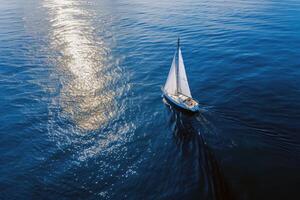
(82, 115)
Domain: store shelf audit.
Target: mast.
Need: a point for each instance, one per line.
(177, 68)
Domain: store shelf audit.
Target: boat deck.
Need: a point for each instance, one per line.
(182, 99)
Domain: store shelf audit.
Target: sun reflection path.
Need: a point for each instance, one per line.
(85, 95)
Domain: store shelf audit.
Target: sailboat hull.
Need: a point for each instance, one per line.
(180, 105)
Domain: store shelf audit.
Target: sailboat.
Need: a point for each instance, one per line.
(176, 89)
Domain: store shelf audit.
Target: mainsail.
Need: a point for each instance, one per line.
(182, 78)
(170, 85)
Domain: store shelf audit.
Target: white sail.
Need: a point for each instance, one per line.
(170, 86)
(183, 82)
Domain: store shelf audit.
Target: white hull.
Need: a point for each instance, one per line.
(183, 102)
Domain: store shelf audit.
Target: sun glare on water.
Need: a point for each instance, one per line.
(84, 94)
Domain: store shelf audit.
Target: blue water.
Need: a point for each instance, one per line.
(82, 115)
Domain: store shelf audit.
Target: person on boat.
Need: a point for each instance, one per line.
(189, 101)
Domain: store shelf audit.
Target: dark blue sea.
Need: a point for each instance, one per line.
(81, 112)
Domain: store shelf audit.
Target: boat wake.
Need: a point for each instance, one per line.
(200, 166)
